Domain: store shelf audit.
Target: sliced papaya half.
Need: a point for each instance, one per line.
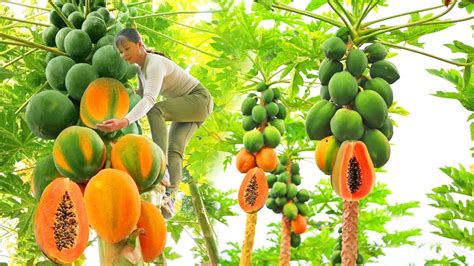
(61, 224)
(353, 175)
(253, 191)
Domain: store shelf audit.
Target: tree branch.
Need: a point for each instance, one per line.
(19, 57)
(25, 5)
(24, 21)
(400, 15)
(32, 44)
(175, 13)
(348, 25)
(425, 54)
(392, 28)
(176, 41)
(308, 14)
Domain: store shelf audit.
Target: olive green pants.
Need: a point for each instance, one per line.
(187, 113)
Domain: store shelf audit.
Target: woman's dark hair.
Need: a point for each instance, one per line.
(132, 35)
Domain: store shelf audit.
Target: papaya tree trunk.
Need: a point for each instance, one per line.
(350, 216)
(204, 223)
(285, 245)
(247, 247)
(122, 253)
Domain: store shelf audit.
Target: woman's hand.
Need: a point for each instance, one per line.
(112, 124)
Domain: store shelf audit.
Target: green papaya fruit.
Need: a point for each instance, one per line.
(343, 88)
(356, 62)
(378, 147)
(327, 69)
(334, 48)
(375, 52)
(318, 120)
(382, 87)
(387, 128)
(371, 106)
(347, 125)
(386, 70)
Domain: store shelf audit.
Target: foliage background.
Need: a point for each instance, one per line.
(433, 135)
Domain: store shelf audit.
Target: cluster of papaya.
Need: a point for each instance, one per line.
(263, 120)
(351, 119)
(336, 258)
(87, 42)
(90, 178)
(287, 199)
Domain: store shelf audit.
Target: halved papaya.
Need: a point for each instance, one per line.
(253, 191)
(61, 224)
(353, 175)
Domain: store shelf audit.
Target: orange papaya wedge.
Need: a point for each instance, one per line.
(353, 175)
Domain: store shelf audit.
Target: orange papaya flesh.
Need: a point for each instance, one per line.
(353, 174)
(61, 225)
(253, 191)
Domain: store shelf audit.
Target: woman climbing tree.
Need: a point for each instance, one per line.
(186, 103)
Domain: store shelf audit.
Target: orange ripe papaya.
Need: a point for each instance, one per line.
(61, 223)
(267, 159)
(353, 175)
(299, 224)
(326, 153)
(253, 191)
(245, 161)
(113, 204)
(153, 238)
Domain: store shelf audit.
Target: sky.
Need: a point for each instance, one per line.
(435, 134)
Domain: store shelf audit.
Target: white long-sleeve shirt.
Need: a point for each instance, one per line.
(159, 76)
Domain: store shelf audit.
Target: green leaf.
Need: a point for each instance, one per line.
(315, 4)
(266, 3)
(460, 47)
(5, 74)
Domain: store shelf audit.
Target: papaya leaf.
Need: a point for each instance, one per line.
(315, 4)
(265, 3)
(5, 74)
(460, 47)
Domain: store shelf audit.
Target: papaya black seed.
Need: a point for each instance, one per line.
(354, 181)
(251, 192)
(65, 224)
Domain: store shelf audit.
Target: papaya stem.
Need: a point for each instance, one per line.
(247, 247)
(138, 3)
(348, 15)
(204, 222)
(32, 44)
(348, 25)
(349, 232)
(27, 18)
(176, 41)
(382, 30)
(60, 13)
(25, 21)
(25, 5)
(19, 57)
(120, 253)
(425, 54)
(448, 21)
(42, 87)
(187, 26)
(366, 12)
(399, 15)
(88, 8)
(308, 14)
(175, 13)
(14, 43)
(285, 251)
